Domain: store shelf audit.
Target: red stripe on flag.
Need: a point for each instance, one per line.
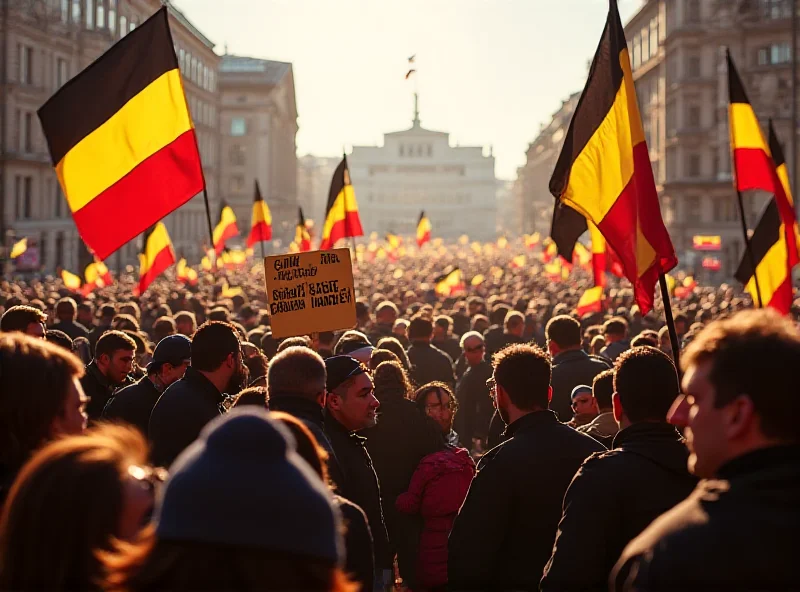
(350, 226)
(260, 232)
(162, 261)
(782, 297)
(424, 239)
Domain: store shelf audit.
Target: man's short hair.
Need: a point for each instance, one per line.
(220, 313)
(470, 335)
(299, 341)
(254, 395)
(647, 383)
(420, 327)
(108, 311)
(112, 341)
(616, 326)
(17, 318)
(59, 338)
(130, 308)
(386, 306)
(66, 308)
(86, 305)
(524, 372)
(498, 314)
(754, 353)
(603, 388)
(125, 321)
(350, 341)
(645, 338)
(513, 320)
(212, 343)
(564, 331)
(296, 371)
(443, 322)
(164, 326)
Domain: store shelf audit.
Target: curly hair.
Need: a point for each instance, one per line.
(391, 381)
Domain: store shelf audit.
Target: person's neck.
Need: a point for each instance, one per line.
(340, 420)
(563, 350)
(514, 414)
(216, 378)
(157, 382)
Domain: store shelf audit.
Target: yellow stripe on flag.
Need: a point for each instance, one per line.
(19, 248)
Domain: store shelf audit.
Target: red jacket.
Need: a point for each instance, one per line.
(436, 492)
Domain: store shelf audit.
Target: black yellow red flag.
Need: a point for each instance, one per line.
(122, 140)
(156, 256)
(341, 213)
(226, 227)
(260, 221)
(423, 229)
(604, 171)
(302, 238)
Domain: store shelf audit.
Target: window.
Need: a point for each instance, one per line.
(693, 67)
(123, 25)
(645, 45)
(236, 184)
(430, 150)
(28, 126)
(132, 25)
(693, 165)
(725, 210)
(238, 126)
(776, 9)
(211, 79)
(59, 249)
(238, 155)
(62, 72)
(101, 14)
(60, 201)
(781, 53)
(65, 11)
(693, 213)
(25, 75)
(89, 12)
(636, 51)
(112, 16)
(43, 250)
(402, 150)
(23, 193)
(692, 11)
(182, 60)
(654, 36)
(76, 12)
(694, 116)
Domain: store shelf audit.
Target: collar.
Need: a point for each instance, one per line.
(196, 379)
(94, 371)
(569, 355)
(531, 420)
(759, 460)
(332, 424)
(297, 406)
(646, 432)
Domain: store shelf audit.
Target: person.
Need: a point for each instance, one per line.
(86, 315)
(325, 342)
(514, 327)
(240, 511)
(185, 323)
(59, 338)
(584, 406)
(399, 441)
(616, 494)
(739, 414)
(400, 330)
(437, 488)
(108, 370)
(71, 500)
(352, 407)
(257, 396)
(503, 535)
(443, 336)
(474, 404)
(428, 363)
(494, 334)
(571, 365)
(67, 314)
(163, 327)
(379, 356)
(360, 561)
(41, 398)
(604, 427)
(107, 313)
(615, 331)
(394, 345)
(216, 373)
(134, 403)
(386, 313)
(25, 319)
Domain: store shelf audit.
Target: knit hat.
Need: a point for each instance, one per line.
(241, 483)
(341, 368)
(173, 349)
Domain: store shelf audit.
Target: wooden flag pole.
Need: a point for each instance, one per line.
(748, 248)
(673, 334)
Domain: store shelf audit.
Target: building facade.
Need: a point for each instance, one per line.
(259, 128)
(417, 169)
(44, 43)
(314, 174)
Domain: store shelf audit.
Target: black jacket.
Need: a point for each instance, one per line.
(613, 350)
(496, 339)
(313, 416)
(449, 345)
(98, 389)
(71, 328)
(133, 404)
(360, 484)
(360, 562)
(736, 532)
(181, 414)
(475, 407)
(504, 533)
(429, 363)
(570, 369)
(613, 497)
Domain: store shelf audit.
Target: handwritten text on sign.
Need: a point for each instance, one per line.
(310, 292)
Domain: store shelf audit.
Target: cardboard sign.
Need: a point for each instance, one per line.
(310, 292)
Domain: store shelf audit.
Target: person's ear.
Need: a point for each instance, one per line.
(616, 404)
(739, 416)
(549, 394)
(333, 401)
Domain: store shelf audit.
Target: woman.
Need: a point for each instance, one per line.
(394, 346)
(70, 501)
(438, 487)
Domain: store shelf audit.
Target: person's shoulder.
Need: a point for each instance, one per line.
(600, 361)
(568, 434)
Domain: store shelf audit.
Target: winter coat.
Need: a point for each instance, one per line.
(475, 406)
(429, 363)
(602, 428)
(613, 497)
(735, 532)
(99, 390)
(449, 345)
(360, 564)
(437, 490)
(133, 404)
(503, 535)
(613, 350)
(72, 328)
(570, 369)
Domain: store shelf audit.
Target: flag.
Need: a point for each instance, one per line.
(531, 240)
(449, 282)
(604, 171)
(779, 160)
(566, 228)
(341, 213)
(393, 240)
(228, 292)
(205, 263)
(423, 229)
(707, 243)
(302, 239)
(711, 263)
(122, 141)
(156, 256)
(477, 280)
(226, 227)
(591, 301)
(518, 262)
(773, 244)
(71, 281)
(186, 274)
(97, 274)
(260, 221)
(550, 250)
(582, 256)
(19, 248)
(599, 259)
(685, 290)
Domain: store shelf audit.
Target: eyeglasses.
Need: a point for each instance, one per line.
(449, 406)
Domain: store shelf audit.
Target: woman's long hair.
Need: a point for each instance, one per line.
(391, 381)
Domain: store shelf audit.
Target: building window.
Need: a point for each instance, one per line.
(25, 75)
(693, 67)
(693, 165)
(182, 60)
(43, 250)
(694, 116)
(76, 12)
(123, 25)
(654, 36)
(776, 9)
(211, 81)
(692, 11)
(60, 249)
(60, 201)
(238, 126)
(101, 14)
(402, 150)
(62, 72)
(28, 127)
(236, 184)
(112, 16)
(645, 45)
(89, 12)
(65, 11)
(777, 53)
(238, 155)
(693, 213)
(132, 25)
(636, 51)
(725, 210)
(24, 196)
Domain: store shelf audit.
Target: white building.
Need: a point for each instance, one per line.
(417, 169)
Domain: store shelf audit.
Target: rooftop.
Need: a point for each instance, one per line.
(271, 72)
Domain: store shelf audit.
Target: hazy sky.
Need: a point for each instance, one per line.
(488, 71)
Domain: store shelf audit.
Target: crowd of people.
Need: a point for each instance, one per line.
(481, 438)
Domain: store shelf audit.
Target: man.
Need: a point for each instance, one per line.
(107, 314)
(428, 363)
(443, 336)
(616, 494)
(215, 374)
(615, 331)
(386, 314)
(604, 427)
(352, 406)
(25, 319)
(163, 327)
(86, 314)
(571, 365)
(474, 403)
(583, 406)
(134, 403)
(504, 533)
(738, 529)
(67, 313)
(185, 323)
(494, 335)
(108, 371)
(296, 383)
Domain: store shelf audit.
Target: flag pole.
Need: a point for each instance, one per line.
(748, 248)
(263, 250)
(210, 229)
(673, 334)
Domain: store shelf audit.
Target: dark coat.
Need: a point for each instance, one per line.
(475, 406)
(570, 369)
(613, 350)
(71, 328)
(497, 429)
(496, 339)
(429, 363)
(99, 390)
(436, 492)
(95, 333)
(449, 345)
(613, 497)
(181, 414)
(133, 404)
(736, 532)
(360, 484)
(360, 562)
(503, 535)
